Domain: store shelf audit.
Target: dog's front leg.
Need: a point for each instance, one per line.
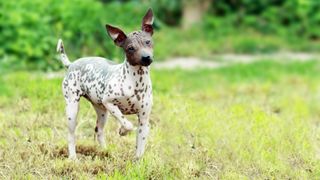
(142, 134)
(115, 111)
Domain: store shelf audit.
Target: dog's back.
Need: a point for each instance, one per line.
(83, 75)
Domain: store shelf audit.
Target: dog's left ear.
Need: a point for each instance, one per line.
(147, 22)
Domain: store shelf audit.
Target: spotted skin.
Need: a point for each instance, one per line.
(116, 89)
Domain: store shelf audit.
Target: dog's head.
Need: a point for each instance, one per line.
(138, 45)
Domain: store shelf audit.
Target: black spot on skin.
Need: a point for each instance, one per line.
(141, 124)
(69, 118)
(78, 92)
(142, 84)
(143, 138)
(102, 115)
(129, 87)
(96, 129)
(122, 93)
(134, 73)
(122, 117)
(142, 106)
(140, 79)
(138, 97)
(137, 84)
(143, 113)
(140, 130)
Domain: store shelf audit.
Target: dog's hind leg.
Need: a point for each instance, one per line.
(72, 111)
(102, 115)
(71, 94)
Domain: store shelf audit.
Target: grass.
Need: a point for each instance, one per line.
(205, 43)
(253, 121)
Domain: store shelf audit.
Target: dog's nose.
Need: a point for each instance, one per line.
(146, 60)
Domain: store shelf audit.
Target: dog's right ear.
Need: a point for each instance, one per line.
(117, 35)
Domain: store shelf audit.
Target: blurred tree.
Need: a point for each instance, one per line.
(193, 11)
(168, 11)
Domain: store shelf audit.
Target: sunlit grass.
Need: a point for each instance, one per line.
(259, 120)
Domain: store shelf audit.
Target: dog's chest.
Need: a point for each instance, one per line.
(132, 93)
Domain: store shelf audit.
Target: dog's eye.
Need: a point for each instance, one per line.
(131, 48)
(148, 42)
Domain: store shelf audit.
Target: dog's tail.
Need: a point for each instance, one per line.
(63, 56)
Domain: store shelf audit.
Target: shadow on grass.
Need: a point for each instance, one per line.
(82, 150)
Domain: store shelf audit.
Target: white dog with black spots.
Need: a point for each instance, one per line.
(119, 89)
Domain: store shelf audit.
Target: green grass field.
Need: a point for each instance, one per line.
(253, 121)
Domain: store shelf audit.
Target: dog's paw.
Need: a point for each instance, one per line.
(124, 131)
(72, 157)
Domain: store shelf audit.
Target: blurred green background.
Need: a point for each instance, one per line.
(201, 28)
(254, 114)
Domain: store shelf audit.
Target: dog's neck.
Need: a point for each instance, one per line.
(137, 70)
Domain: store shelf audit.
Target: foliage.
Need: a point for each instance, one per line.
(30, 29)
(238, 122)
(284, 17)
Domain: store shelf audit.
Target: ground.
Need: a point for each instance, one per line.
(245, 121)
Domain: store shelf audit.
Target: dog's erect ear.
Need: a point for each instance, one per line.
(147, 22)
(116, 34)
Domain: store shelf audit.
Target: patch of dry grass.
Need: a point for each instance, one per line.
(258, 121)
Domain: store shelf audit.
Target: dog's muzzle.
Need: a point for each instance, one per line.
(146, 60)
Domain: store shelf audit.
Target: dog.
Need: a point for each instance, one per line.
(119, 89)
